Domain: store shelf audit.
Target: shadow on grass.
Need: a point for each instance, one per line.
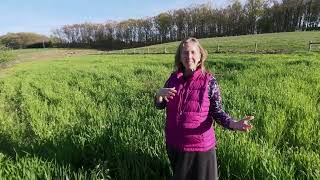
(227, 66)
(122, 161)
(299, 62)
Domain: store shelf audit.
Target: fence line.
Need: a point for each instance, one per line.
(253, 48)
(313, 43)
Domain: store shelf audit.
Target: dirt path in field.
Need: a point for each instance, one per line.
(43, 55)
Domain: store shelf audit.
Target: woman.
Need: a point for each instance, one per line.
(192, 100)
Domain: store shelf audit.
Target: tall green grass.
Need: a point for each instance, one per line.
(93, 117)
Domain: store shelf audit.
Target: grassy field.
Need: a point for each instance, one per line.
(9, 58)
(285, 42)
(6, 56)
(92, 117)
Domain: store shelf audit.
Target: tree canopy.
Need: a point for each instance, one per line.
(24, 40)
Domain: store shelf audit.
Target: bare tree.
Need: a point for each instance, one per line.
(256, 16)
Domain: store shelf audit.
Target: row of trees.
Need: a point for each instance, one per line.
(255, 16)
(25, 40)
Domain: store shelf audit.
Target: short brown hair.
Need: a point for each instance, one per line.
(177, 62)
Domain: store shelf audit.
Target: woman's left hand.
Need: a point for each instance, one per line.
(243, 124)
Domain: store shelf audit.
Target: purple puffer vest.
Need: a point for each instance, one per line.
(188, 126)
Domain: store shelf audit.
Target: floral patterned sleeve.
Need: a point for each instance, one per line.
(215, 110)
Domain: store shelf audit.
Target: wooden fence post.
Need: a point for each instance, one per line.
(310, 43)
(255, 47)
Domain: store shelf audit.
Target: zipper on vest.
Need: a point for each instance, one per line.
(185, 94)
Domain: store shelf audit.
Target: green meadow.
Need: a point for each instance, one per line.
(272, 43)
(93, 117)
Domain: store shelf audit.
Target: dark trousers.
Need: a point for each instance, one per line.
(193, 165)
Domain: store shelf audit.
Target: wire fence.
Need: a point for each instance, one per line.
(314, 46)
(261, 48)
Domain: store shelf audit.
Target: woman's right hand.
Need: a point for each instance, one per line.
(166, 94)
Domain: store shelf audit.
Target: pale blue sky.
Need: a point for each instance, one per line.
(41, 16)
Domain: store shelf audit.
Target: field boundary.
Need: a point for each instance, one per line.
(311, 43)
(253, 49)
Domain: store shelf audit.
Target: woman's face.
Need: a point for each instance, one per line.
(190, 56)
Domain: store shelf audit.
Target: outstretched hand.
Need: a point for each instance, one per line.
(167, 93)
(243, 124)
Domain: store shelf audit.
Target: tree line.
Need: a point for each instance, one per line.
(24, 40)
(254, 17)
